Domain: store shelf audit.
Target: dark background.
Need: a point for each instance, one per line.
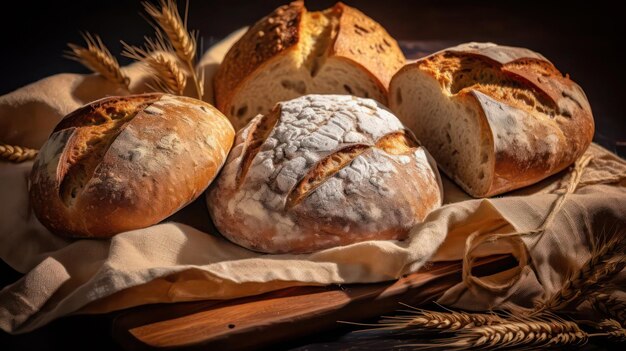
(580, 38)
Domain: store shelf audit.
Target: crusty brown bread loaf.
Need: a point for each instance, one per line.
(293, 52)
(124, 163)
(496, 118)
(322, 171)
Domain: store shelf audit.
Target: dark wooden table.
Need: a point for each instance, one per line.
(581, 38)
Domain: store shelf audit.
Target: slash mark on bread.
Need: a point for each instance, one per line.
(395, 143)
(256, 138)
(322, 26)
(323, 170)
(89, 144)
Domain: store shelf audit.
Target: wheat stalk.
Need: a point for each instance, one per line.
(551, 332)
(609, 306)
(16, 154)
(98, 59)
(613, 329)
(173, 80)
(166, 70)
(442, 321)
(490, 331)
(169, 21)
(603, 265)
(418, 318)
(519, 334)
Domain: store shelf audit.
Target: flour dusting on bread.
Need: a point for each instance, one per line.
(319, 180)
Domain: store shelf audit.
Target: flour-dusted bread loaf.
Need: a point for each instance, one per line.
(293, 52)
(496, 118)
(123, 163)
(322, 171)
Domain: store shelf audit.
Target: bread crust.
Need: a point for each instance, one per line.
(354, 37)
(93, 184)
(366, 43)
(332, 170)
(528, 145)
(272, 35)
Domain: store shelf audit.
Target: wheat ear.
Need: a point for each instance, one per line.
(169, 21)
(551, 332)
(16, 154)
(441, 321)
(613, 329)
(603, 265)
(609, 307)
(165, 69)
(516, 333)
(98, 59)
(421, 319)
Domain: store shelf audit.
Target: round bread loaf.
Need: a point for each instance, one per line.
(496, 118)
(293, 52)
(322, 171)
(124, 163)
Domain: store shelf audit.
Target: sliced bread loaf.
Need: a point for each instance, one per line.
(495, 118)
(293, 52)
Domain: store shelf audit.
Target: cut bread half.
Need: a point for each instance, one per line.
(287, 79)
(495, 118)
(293, 52)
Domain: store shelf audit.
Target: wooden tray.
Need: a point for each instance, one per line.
(279, 316)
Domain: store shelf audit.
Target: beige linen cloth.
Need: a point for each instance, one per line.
(184, 258)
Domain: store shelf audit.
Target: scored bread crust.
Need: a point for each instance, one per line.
(322, 171)
(350, 36)
(123, 163)
(535, 124)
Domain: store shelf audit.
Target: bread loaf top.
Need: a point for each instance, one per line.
(340, 31)
(531, 69)
(123, 163)
(498, 53)
(321, 171)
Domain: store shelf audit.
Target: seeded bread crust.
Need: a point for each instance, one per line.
(351, 36)
(123, 163)
(321, 171)
(534, 121)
